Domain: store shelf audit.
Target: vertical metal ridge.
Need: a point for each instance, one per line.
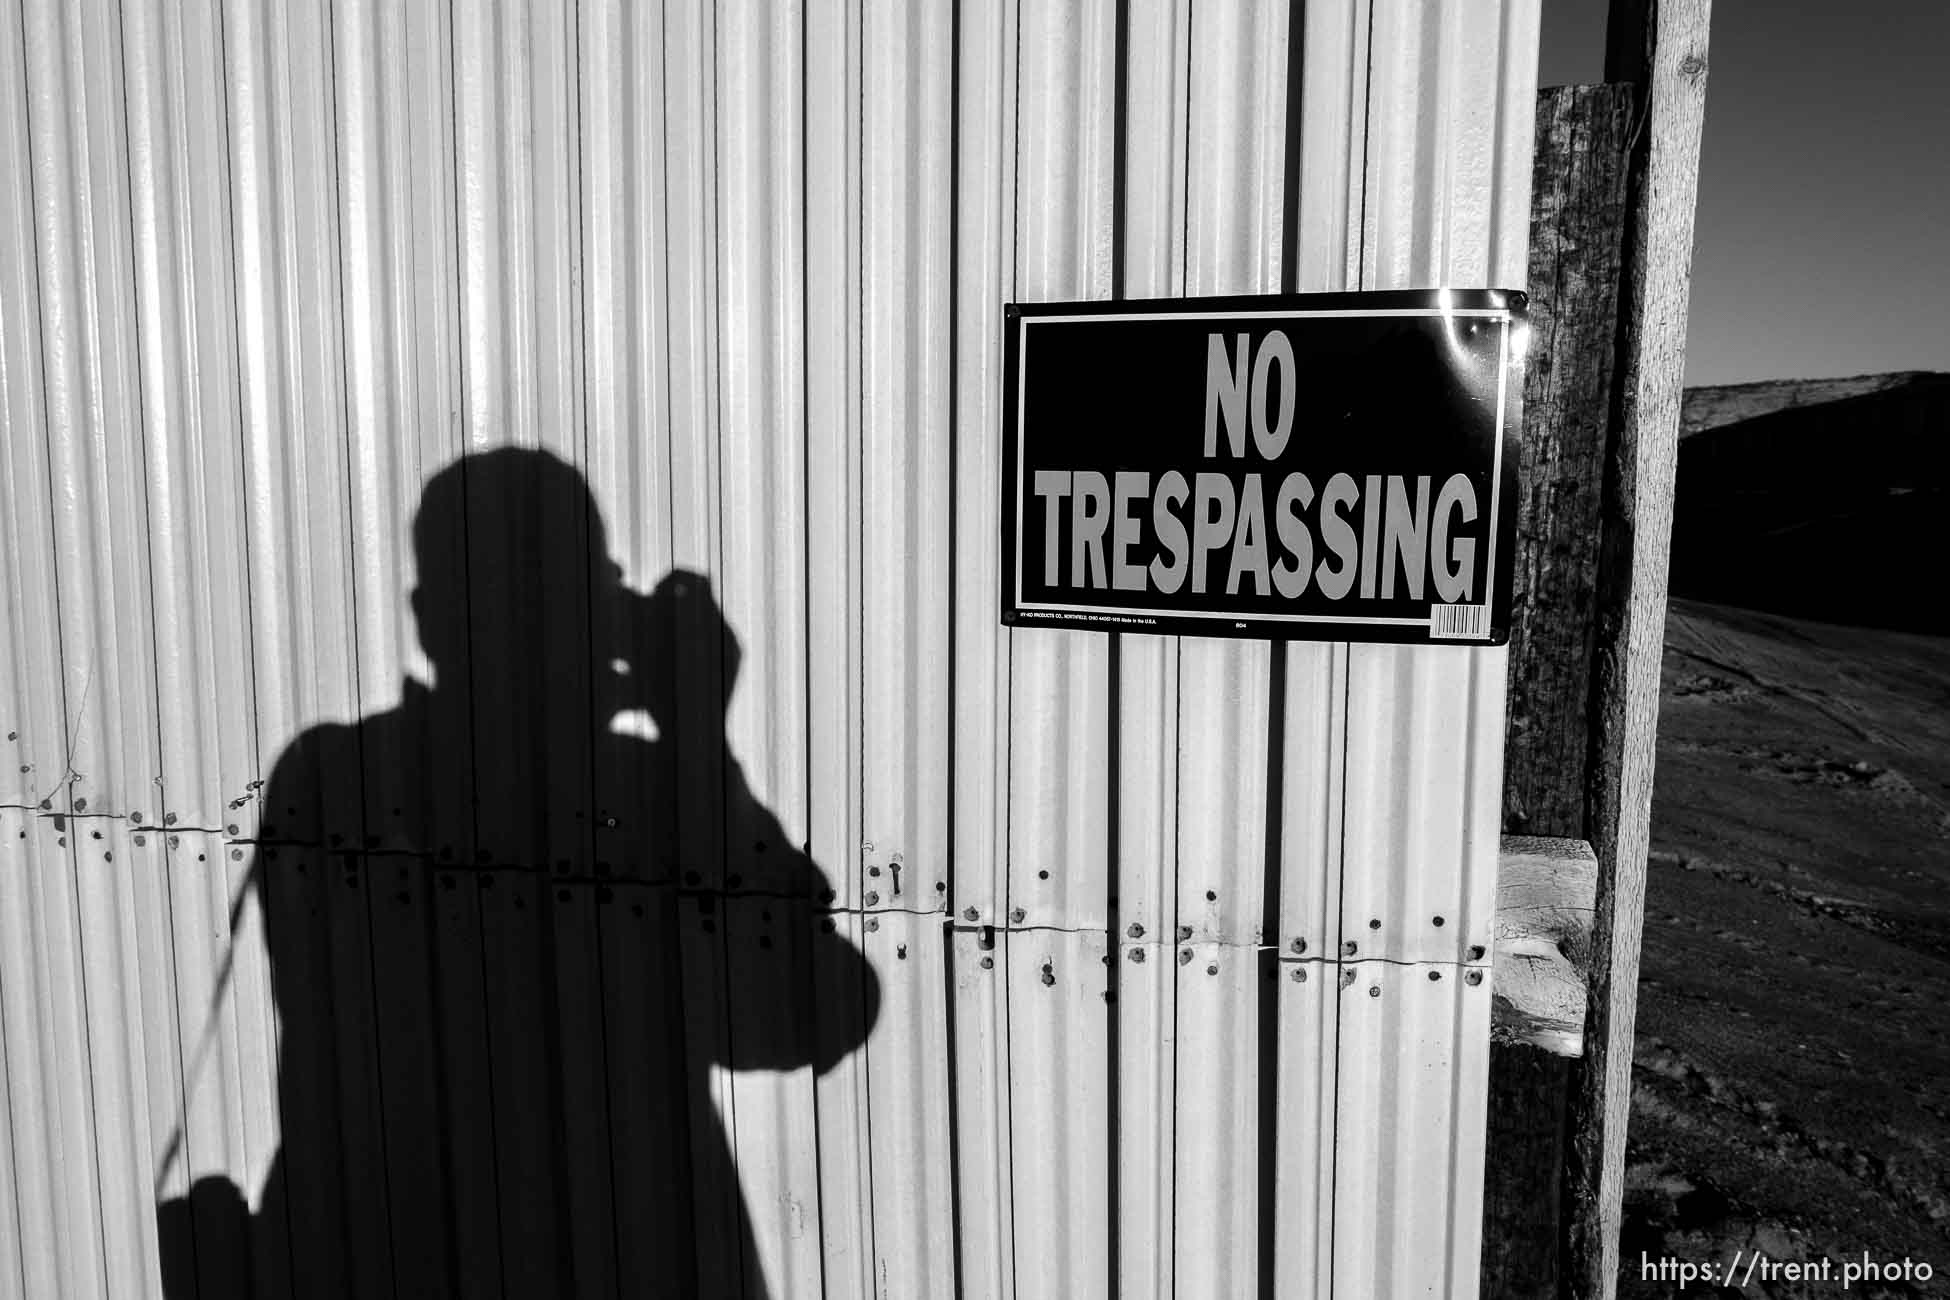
(834, 86)
(906, 195)
(48, 1135)
(1158, 57)
(1237, 88)
(1057, 865)
(988, 54)
(1425, 723)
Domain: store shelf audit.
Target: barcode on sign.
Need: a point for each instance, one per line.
(1459, 622)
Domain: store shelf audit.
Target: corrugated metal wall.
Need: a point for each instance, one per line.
(364, 845)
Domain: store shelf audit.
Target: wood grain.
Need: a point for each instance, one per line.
(1578, 213)
(1545, 901)
(1661, 45)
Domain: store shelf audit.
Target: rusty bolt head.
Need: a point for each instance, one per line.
(1347, 978)
(1434, 975)
(1184, 956)
(1017, 915)
(873, 871)
(1184, 933)
(1476, 952)
(873, 899)
(1137, 955)
(873, 923)
(1299, 946)
(1299, 974)
(1350, 947)
(1136, 931)
(169, 819)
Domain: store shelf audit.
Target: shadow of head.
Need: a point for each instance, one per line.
(515, 574)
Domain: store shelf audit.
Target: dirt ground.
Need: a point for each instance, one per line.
(1792, 1077)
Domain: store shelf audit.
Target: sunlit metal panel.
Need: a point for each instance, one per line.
(740, 269)
(1414, 1060)
(92, 379)
(50, 1136)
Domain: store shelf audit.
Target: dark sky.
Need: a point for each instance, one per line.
(1823, 238)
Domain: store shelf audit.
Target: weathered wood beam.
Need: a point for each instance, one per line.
(1661, 46)
(1577, 229)
(1545, 899)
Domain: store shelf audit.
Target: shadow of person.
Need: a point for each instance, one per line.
(508, 942)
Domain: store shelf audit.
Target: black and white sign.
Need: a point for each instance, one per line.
(1316, 467)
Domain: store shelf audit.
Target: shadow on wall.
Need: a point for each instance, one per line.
(507, 944)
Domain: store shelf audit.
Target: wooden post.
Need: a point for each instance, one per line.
(1659, 45)
(1577, 229)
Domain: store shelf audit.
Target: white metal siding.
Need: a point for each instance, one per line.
(1164, 1006)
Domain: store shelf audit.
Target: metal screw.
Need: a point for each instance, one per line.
(988, 963)
(1212, 969)
(1136, 931)
(1347, 978)
(1299, 975)
(1184, 933)
(1350, 947)
(1476, 952)
(1374, 990)
(873, 871)
(1435, 975)
(1474, 977)
(1299, 946)
(1375, 924)
(873, 899)
(873, 923)
(1184, 956)
(1016, 915)
(1137, 955)
(970, 914)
